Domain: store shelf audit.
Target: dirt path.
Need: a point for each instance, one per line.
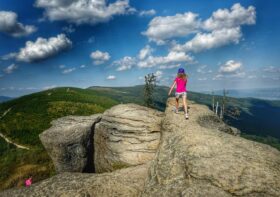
(6, 139)
(5, 113)
(11, 142)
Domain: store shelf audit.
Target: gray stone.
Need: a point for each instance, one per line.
(69, 143)
(125, 182)
(195, 160)
(127, 135)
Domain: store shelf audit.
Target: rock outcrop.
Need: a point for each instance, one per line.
(127, 135)
(125, 182)
(195, 157)
(212, 121)
(198, 160)
(69, 143)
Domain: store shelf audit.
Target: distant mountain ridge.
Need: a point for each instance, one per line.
(260, 93)
(5, 98)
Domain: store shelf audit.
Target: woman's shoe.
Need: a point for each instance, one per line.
(186, 116)
(175, 110)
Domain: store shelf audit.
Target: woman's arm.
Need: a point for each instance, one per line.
(171, 88)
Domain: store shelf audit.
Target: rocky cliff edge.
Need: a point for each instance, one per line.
(196, 157)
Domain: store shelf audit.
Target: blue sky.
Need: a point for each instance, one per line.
(52, 43)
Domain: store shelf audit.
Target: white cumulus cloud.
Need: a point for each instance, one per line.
(111, 77)
(125, 63)
(62, 66)
(146, 51)
(10, 69)
(223, 27)
(236, 16)
(202, 79)
(202, 69)
(69, 29)
(231, 69)
(43, 48)
(9, 56)
(169, 66)
(214, 39)
(147, 12)
(9, 25)
(99, 57)
(83, 11)
(230, 66)
(158, 74)
(162, 28)
(271, 69)
(68, 70)
(145, 59)
(172, 57)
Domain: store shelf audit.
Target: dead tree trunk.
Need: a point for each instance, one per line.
(221, 113)
(217, 106)
(213, 101)
(224, 102)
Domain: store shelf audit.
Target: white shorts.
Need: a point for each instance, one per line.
(178, 94)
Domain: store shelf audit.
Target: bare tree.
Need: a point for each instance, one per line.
(224, 109)
(224, 102)
(217, 107)
(213, 101)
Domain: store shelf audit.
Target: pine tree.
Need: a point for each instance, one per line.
(150, 84)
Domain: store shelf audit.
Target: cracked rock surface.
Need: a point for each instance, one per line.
(127, 135)
(193, 160)
(69, 143)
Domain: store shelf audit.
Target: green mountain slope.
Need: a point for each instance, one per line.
(28, 116)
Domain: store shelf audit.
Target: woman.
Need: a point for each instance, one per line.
(181, 82)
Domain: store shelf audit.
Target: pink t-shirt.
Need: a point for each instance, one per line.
(181, 84)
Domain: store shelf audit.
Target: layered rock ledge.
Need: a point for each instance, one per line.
(127, 135)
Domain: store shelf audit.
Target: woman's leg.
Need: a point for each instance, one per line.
(185, 103)
(177, 104)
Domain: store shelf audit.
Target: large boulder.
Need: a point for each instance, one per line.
(127, 135)
(196, 159)
(69, 142)
(125, 182)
